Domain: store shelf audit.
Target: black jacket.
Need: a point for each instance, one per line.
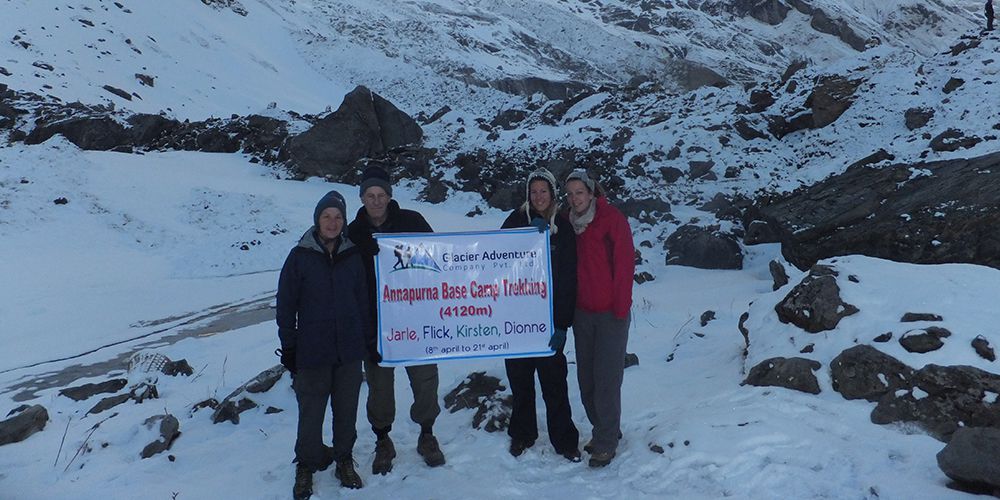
(360, 230)
(322, 306)
(563, 248)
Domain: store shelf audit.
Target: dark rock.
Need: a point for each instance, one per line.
(363, 126)
(118, 92)
(747, 131)
(272, 410)
(554, 90)
(698, 169)
(911, 317)
(706, 317)
(482, 392)
(760, 100)
(671, 174)
(925, 340)
(108, 403)
(863, 372)
(179, 367)
(888, 213)
(631, 359)
(720, 202)
(508, 119)
(88, 133)
(655, 448)
(837, 27)
(435, 191)
(972, 458)
(780, 127)
(877, 157)
(918, 117)
(82, 392)
(761, 231)
(146, 80)
(953, 84)
(743, 329)
(792, 69)
(443, 110)
(953, 140)
(635, 207)
(883, 338)
(830, 98)
(60, 201)
(169, 429)
(983, 348)
(956, 396)
(234, 404)
(790, 373)
(229, 410)
(144, 391)
(704, 248)
(148, 128)
(815, 304)
(807, 349)
(643, 277)
(265, 380)
(27, 421)
(778, 274)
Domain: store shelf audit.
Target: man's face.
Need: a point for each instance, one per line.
(375, 200)
(579, 196)
(331, 223)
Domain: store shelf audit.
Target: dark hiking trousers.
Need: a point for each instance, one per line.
(317, 389)
(558, 415)
(381, 404)
(600, 363)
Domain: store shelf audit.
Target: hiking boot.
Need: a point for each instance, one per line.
(601, 458)
(303, 488)
(349, 477)
(518, 446)
(384, 453)
(427, 447)
(572, 455)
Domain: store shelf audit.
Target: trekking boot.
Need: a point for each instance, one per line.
(348, 477)
(572, 455)
(518, 446)
(601, 458)
(303, 488)
(427, 447)
(384, 453)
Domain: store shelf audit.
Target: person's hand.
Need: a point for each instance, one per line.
(558, 339)
(287, 355)
(372, 247)
(540, 224)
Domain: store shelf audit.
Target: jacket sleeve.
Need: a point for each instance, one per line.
(421, 225)
(564, 300)
(287, 302)
(369, 321)
(623, 262)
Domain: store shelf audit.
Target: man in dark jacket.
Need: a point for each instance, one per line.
(322, 316)
(381, 214)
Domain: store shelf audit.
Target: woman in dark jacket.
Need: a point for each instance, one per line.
(322, 315)
(605, 268)
(542, 211)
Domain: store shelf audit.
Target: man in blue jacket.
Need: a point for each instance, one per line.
(322, 315)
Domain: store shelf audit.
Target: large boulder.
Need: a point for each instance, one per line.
(814, 305)
(863, 372)
(704, 248)
(790, 373)
(972, 459)
(364, 125)
(26, 420)
(91, 133)
(903, 212)
(830, 98)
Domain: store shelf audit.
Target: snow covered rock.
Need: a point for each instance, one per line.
(704, 248)
(815, 304)
(26, 421)
(169, 430)
(482, 392)
(863, 372)
(791, 373)
(85, 391)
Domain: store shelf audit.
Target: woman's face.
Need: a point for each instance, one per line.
(579, 196)
(540, 194)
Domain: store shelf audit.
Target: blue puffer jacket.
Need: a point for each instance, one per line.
(322, 303)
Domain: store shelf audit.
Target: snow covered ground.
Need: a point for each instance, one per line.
(146, 242)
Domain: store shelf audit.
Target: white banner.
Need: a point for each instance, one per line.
(463, 295)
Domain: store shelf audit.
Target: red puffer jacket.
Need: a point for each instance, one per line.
(605, 263)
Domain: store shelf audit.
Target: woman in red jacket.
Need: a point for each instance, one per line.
(605, 269)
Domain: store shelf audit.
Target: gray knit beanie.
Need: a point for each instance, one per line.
(331, 199)
(581, 175)
(375, 176)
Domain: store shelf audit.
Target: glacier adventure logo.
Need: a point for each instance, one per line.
(414, 257)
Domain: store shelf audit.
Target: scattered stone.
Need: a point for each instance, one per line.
(917, 117)
(885, 337)
(953, 84)
(60, 201)
(272, 410)
(643, 277)
(108, 403)
(631, 359)
(778, 274)
(952, 140)
(482, 392)
(265, 380)
(924, 340)
(230, 410)
(179, 367)
(144, 391)
(743, 329)
(26, 421)
(830, 98)
(706, 317)
(118, 92)
(808, 349)
(863, 372)
(655, 448)
(169, 431)
(972, 458)
(911, 317)
(815, 304)
(699, 169)
(983, 348)
(82, 392)
(791, 373)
